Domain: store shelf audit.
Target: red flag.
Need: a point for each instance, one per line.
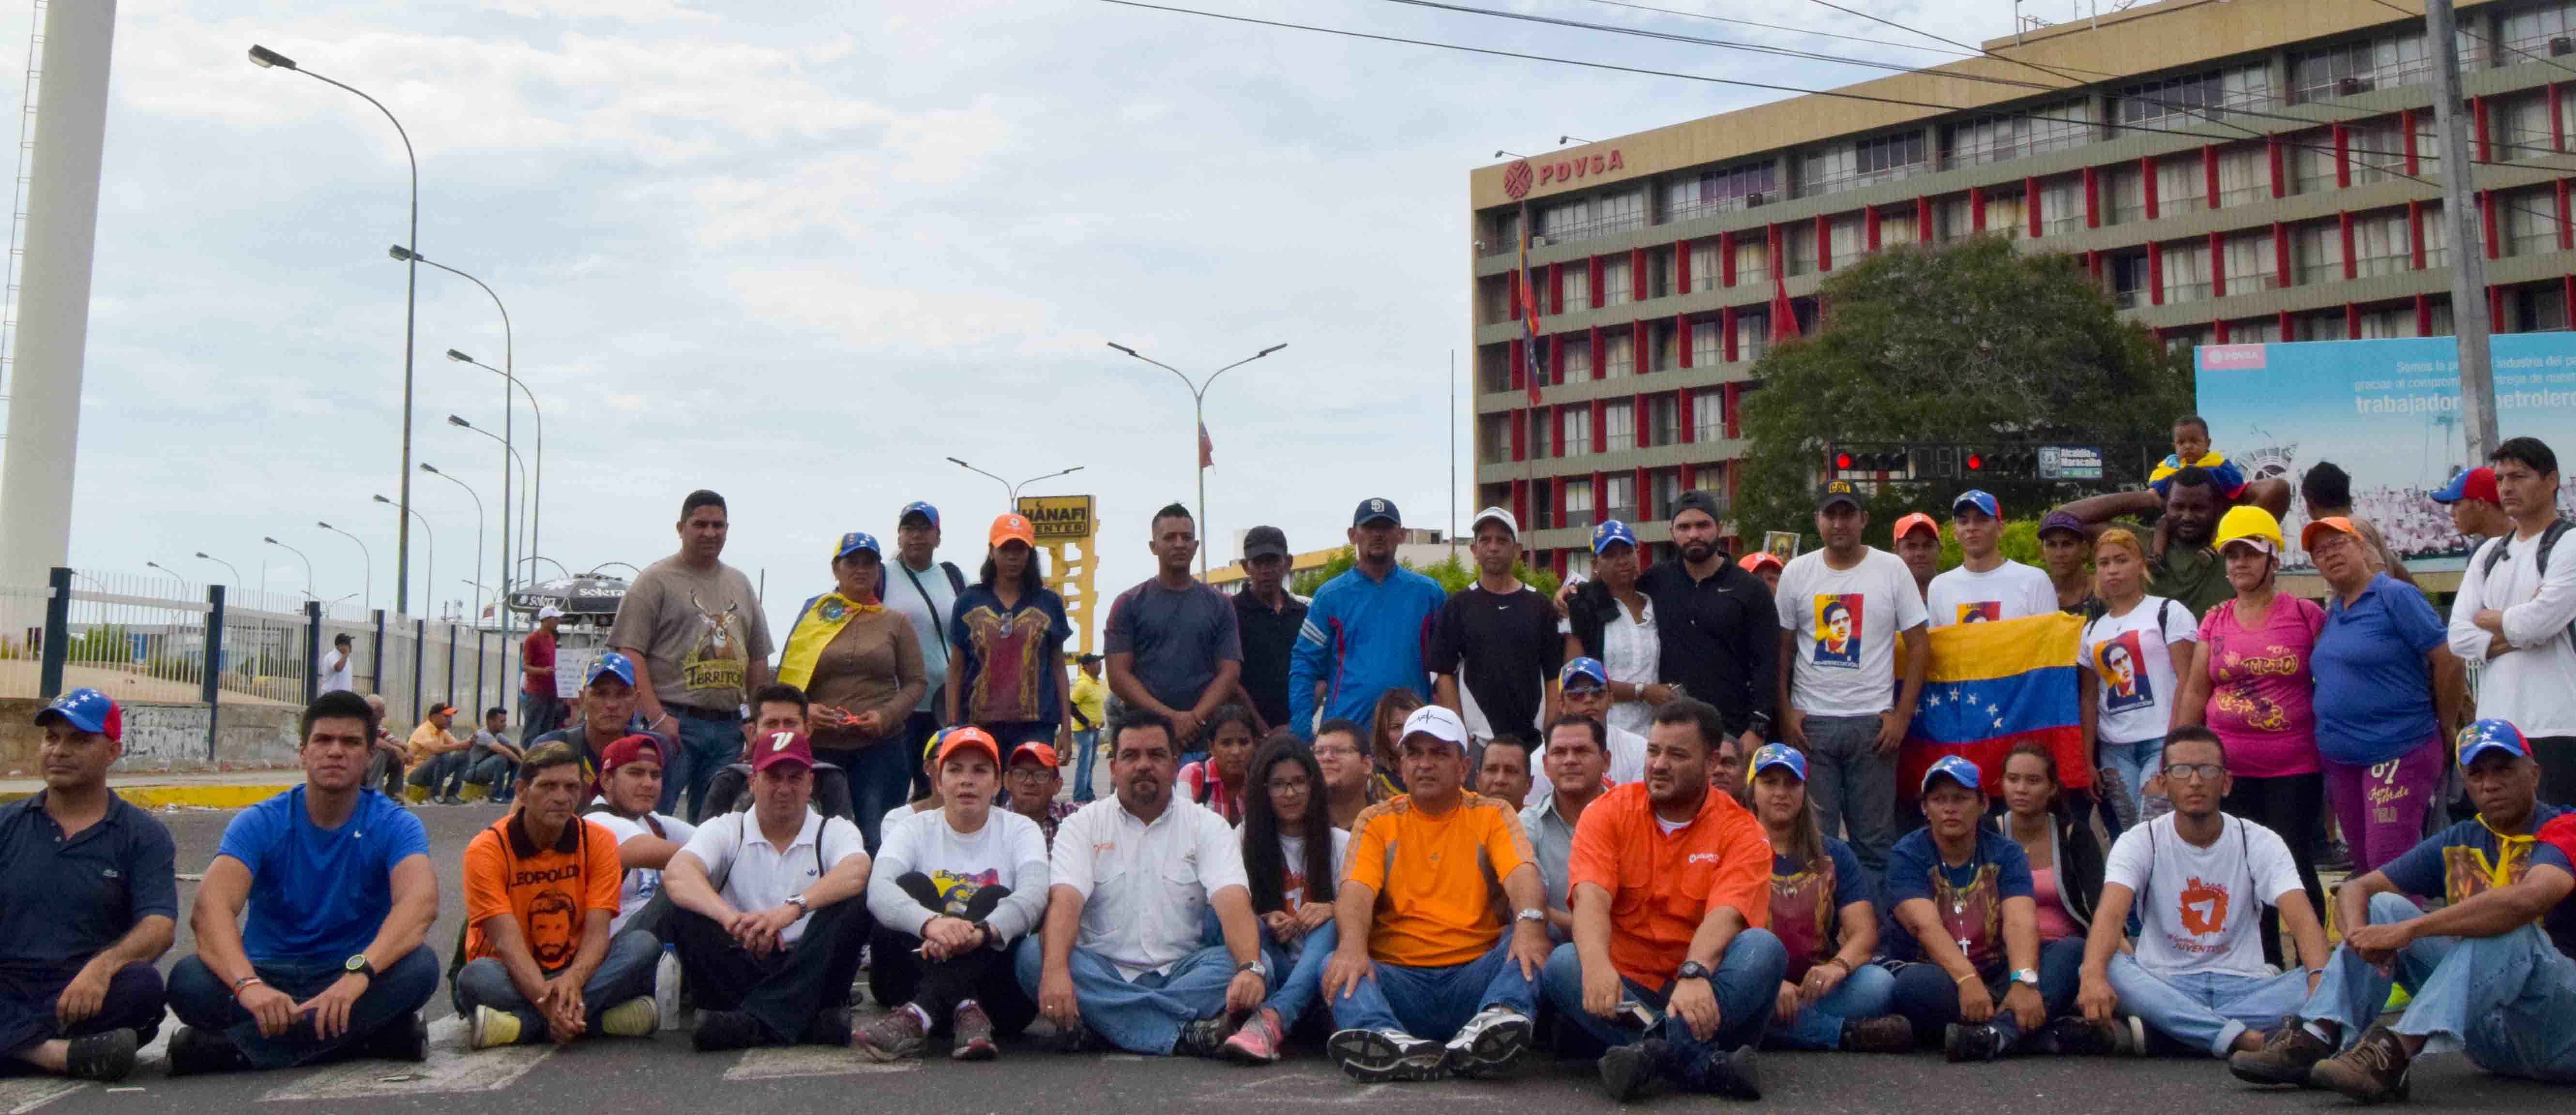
(1537, 369)
(1207, 449)
(1784, 317)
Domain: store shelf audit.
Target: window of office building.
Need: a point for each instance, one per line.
(2124, 195)
(2249, 262)
(1578, 500)
(1578, 358)
(1621, 489)
(1541, 423)
(1578, 286)
(2203, 96)
(1664, 425)
(1668, 487)
(1851, 164)
(2518, 127)
(2388, 322)
(1799, 248)
(2312, 161)
(2437, 238)
(2530, 220)
(2181, 183)
(1618, 353)
(1752, 259)
(1494, 432)
(2187, 272)
(1850, 238)
(1715, 191)
(2538, 34)
(2379, 244)
(2244, 175)
(2322, 325)
(2061, 206)
(1994, 139)
(1618, 427)
(2254, 331)
(2004, 214)
(1708, 345)
(1616, 282)
(1952, 219)
(1897, 227)
(1542, 503)
(2349, 69)
(1576, 421)
(1752, 334)
(2127, 273)
(2378, 150)
(2316, 253)
(1708, 415)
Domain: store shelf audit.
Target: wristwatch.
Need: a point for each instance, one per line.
(1691, 969)
(2026, 975)
(1759, 724)
(1253, 966)
(1530, 913)
(798, 901)
(359, 964)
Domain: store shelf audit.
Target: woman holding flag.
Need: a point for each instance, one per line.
(860, 667)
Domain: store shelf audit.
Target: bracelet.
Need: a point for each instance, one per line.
(1963, 980)
(244, 982)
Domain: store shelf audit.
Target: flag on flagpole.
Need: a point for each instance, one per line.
(1529, 313)
(1993, 686)
(1784, 316)
(1207, 449)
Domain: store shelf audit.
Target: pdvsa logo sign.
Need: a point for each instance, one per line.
(1519, 178)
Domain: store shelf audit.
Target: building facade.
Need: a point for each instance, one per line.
(2229, 170)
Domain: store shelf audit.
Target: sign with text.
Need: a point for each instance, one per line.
(1058, 518)
(2070, 462)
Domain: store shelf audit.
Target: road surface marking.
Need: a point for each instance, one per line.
(27, 1093)
(781, 1062)
(450, 1068)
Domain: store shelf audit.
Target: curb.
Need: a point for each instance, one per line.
(168, 796)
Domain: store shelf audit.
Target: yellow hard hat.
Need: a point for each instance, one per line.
(2251, 525)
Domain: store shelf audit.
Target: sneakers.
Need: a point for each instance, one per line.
(1732, 1074)
(1489, 1043)
(404, 1039)
(726, 1029)
(1080, 1039)
(1971, 1041)
(635, 1018)
(493, 1028)
(973, 1031)
(2372, 1071)
(1628, 1071)
(895, 1036)
(2287, 1055)
(108, 1056)
(1204, 1037)
(194, 1051)
(2128, 1036)
(1887, 1033)
(1257, 1041)
(2073, 1037)
(1382, 1056)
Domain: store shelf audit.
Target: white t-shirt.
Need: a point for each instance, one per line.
(1008, 851)
(2201, 907)
(1627, 764)
(337, 679)
(2008, 591)
(1632, 652)
(1845, 658)
(757, 876)
(2535, 685)
(1292, 852)
(2132, 664)
(1144, 886)
(641, 883)
(929, 619)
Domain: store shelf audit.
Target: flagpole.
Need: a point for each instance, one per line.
(1530, 366)
(1453, 452)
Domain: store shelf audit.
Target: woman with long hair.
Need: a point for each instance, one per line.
(1610, 619)
(1006, 673)
(2065, 860)
(1831, 996)
(2134, 653)
(1292, 859)
(1386, 728)
(1218, 781)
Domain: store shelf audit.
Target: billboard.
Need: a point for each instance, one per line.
(2386, 411)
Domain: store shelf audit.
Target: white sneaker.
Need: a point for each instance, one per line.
(1489, 1043)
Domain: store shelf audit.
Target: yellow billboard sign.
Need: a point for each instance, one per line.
(1058, 518)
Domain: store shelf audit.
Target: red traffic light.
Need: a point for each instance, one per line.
(1976, 461)
(1843, 462)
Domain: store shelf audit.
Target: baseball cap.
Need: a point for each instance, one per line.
(1581, 667)
(2476, 483)
(2491, 735)
(2252, 526)
(782, 747)
(1044, 753)
(2331, 524)
(626, 750)
(87, 710)
(1753, 562)
(2059, 520)
(610, 663)
(549, 612)
(1092, 657)
(930, 747)
(439, 707)
(1011, 526)
(1438, 723)
(1914, 522)
(917, 507)
(1980, 499)
(1262, 542)
(1782, 756)
(1956, 770)
(1697, 500)
(1495, 514)
(856, 541)
(1837, 491)
(968, 737)
(1372, 509)
(1609, 532)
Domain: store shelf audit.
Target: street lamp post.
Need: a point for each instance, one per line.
(532, 505)
(509, 346)
(429, 552)
(308, 566)
(509, 559)
(1198, 435)
(477, 582)
(268, 59)
(228, 567)
(367, 601)
(174, 574)
(1011, 488)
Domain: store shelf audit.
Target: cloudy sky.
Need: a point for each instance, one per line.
(800, 252)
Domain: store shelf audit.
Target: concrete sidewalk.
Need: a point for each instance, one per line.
(211, 789)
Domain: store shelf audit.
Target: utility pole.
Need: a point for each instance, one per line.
(2469, 321)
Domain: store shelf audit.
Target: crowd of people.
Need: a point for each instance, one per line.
(1679, 840)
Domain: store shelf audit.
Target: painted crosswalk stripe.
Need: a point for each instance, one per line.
(809, 1060)
(27, 1093)
(450, 1068)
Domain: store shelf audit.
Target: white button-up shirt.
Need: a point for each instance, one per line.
(757, 876)
(1145, 887)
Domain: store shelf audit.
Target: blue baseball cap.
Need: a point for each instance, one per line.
(1609, 531)
(1956, 770)
(2491, 735)
(917, 507)
(1782, 756)
(87, 710)
(1979, 499)
(860, 540)
(2476, 483)
(1581, 667)
(610, 663)
(1373, 509)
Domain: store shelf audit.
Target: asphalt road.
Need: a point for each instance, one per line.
(664, 1075)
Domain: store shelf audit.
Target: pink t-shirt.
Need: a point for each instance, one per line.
(2262, 691)
(2054, 924)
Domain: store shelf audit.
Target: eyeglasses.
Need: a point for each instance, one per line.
(1290, 786)
(2196, 772)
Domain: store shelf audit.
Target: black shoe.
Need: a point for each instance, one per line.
(1081, 1039)
(1205, 1037)
(827, 1027)
(1971, 1041)
(1887, 1033)
(726, 1029)
(2286, 1057)
(193, 1051)
(2073, 1037)
(2335, 856)
(403, 1039)
(1628, 1071)
(1733, 1074)
(108, 1056)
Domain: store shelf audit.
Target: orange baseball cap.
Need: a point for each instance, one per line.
(1907, 524)
(965, 737)
(2332, 523)
(1043, 753)
(1012, 528)
(1753, 562)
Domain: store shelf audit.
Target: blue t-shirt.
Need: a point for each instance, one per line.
(2461, 862)
(1012, 660)
(1178, 637)
(1970, 898)
(319, 894)
(2374, 695)
(1807, 901)
(62, 900)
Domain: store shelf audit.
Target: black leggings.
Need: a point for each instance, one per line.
(2293, 807)
(898, 975)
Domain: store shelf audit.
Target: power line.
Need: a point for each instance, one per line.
(2060, 74)
(2481, 38)
(1783, 27)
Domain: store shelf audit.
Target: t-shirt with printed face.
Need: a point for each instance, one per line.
(2007, 591)
(2200, 907)
(2262, 693)
(1969, 897)
(2131, 660)
(1013, 665)
(1846, 620)
(699, 632)
(549, 890)
(1807, 901)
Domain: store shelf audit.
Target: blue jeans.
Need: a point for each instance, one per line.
(705, 747)
(393, 998)
(1865, 993)
(497, 772)
(1747, 983)
(880, 778)
(1854, 786)
(1142, 1015)
(2502, 1000)
(1085, 745)
(1293, 993)
(2353, 992)
(1435, 1002)
(1929, 998)
(2137, 762)
(626, 972)
(2206, 1010)
(443, 770)
(539, 714)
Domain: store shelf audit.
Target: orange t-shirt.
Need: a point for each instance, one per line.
(1436, 877)
(1662, 885)
(548, 890)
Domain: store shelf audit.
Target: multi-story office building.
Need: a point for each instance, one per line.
(2229, 170)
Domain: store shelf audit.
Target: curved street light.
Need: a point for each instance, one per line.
(509, 345)
(174, 574)
(477, 582)
(228, 567)
(1007, 486)
(308, 565)
(1198, 409)
(532, 503)
(367, 601)
(429, 553)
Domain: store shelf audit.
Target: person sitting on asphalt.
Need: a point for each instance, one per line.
(1032, 782)
(630, 786)
(438, 756)
(2199, 880)
(1136, 877)
(1830, 995)
(2057, 839)
(385, 754)
(1421, 950)
(88, 900)
(603, 714)
(1217, 781)
(1670, 899)
(2489, 972)
(780, 707)
(767, 911)
(493, 761)
(541, 889)
(1583, 689)
(1965, 931)
(1574, 763)
(332, 885)
(1290, 851)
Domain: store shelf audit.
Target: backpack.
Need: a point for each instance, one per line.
(2495, 553)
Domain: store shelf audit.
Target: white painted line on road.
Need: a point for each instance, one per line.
(781, 1062)
(1297, 1086)
(450, 1068)
(25, 1094)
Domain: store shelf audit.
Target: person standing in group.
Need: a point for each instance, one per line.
(1763, 564)
(2252, 681)
(2513, 612)
(2477, 508)
(2187, 570)
(1291, 856)
(2387, 690)
(693, 628)
(1367, 629)
(1917, 542)
(1266, 618)
(1350, 776)
(1610, 620)
(1575, 761)
(2064, 548)
(1713, 625)
(2326, 489)
(1830, 995)
(339, 668)
(1986, 587)
(1006, 646)
(1844, 700)
(925, 589)
(861, 673)
(1091, 714)
(1174, 649)
(1498, 636)
(540, 710)
(2133, 654)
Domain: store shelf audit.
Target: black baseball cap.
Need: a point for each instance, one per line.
(1697, 500)
(1371, 510)
(1261, 542)
(1838, 491)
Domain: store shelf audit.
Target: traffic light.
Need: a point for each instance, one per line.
(1873, 461)
(2009, 461)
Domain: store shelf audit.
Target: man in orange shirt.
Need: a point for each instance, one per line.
(1695, 977)
(1421, 948)
(540, 889)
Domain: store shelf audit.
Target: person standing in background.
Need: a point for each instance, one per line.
(1090, 714)
(1497, 637)
(694, 630)
(1986, 587)
(861, 673)
(1266, 616)
(925, 590)
(1612, 621)
(2387, 689)
(1366, 630)
(2516, 600)
(1006, 646)
(337, 665)
(540, 710)
(1174, 649)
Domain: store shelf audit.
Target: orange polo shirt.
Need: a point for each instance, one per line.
(1663, 884)
(548, 891)
(1436, 877)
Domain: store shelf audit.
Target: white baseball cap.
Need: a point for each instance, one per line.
(1499, 515)
(1436, 722)
(549, 612)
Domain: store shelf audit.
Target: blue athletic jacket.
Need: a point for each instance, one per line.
(1362, 638)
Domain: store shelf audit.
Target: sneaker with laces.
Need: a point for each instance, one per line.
(1257, 1041)
(2372, 1071)
(194, 1051)
(493, 1029)
(1205, 1037)
(1971, 1041)
(1381, 1056)
(1887, 1033)
(1490, 1043)
(2287, 1055)
(105, 1056)
(973, 1031)
(635, 1018)
(896, 1035)
(2128, 1036)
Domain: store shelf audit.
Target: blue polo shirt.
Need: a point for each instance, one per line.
(319, 894)
(2374, 694)
(65, 898)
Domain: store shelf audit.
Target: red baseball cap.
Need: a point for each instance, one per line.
(628, 749)
(1914, 522)
(782, 747)
(1043, 753)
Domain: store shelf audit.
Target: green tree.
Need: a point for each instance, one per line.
(1971, 343)
(1453, 573)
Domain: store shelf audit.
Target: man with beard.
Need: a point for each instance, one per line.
(2187, 570)
(541, 887)
(1714, 621)
(1366, 630)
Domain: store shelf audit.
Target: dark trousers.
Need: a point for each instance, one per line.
(785, 989)
(385, 770)
(394, 997)
(897, 974)
(539, 713)
(2293, 806)
(1929, 998)
(881, 778)
(916, 735)
(28, 994)
(2557, 755)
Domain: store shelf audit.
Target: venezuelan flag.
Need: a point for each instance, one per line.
(1992, 687)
